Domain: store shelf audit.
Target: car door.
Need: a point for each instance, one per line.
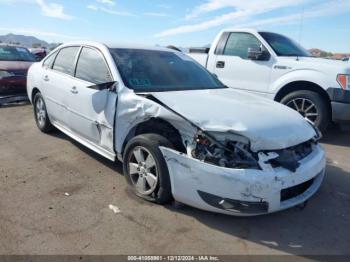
(90, 111)
(56, 82)
(235, 69)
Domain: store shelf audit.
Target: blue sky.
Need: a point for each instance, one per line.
(323, 23)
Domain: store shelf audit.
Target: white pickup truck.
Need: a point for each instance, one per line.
(274, 66)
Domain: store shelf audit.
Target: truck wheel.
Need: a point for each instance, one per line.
(310, 105)
(41, 118)
(145, 168)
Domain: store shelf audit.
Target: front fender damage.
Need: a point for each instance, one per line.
(134, 109)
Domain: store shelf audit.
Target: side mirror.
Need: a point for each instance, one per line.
(110, 86)
(258, 54)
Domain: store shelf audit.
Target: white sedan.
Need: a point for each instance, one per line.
(180, 133)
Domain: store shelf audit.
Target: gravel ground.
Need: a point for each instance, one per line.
(55, 196)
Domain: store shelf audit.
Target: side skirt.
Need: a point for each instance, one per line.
(103, 152)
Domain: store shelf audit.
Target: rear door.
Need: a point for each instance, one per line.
(235, 70)
(58, 73)
(91, 112)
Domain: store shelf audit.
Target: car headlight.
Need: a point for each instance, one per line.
(224, 149)
(344, 81)
(318, 135)
(4, 74)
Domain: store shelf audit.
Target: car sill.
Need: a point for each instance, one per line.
(88, 144)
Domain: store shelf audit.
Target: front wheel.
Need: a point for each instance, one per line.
(310, 105)
(145, 168)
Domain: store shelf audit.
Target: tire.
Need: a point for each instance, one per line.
(138, 168)
(40, 114)
(310, 105)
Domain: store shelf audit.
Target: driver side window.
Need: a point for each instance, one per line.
(238, 44)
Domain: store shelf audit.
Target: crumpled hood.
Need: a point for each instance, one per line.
(267, 124)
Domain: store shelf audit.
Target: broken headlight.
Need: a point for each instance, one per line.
(222, 149)
(318, 135)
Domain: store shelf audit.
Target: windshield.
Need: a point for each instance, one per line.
(157, 71)
(283, 46)
(10, 53)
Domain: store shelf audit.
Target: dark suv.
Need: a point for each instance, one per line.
(14, 64)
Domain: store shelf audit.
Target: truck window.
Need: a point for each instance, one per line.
(238, 44)
(283, 46)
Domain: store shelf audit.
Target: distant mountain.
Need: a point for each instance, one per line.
(24, 40)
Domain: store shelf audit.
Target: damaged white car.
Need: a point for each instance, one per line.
(180, 133)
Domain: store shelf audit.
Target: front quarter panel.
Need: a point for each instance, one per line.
(133, 109)
(282, 77)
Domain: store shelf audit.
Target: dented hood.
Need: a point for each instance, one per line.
(267, 124)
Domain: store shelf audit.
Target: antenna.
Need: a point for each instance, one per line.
(301, 24)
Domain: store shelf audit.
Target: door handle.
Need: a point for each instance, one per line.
(74, 90)
(220, 64)
(46, 78)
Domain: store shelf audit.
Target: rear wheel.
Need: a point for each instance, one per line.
(145, 168)
(310, 105)
(41, 118)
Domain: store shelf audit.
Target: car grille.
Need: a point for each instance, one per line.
(289, 158)
(295, 191)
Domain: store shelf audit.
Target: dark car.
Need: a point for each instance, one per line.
(38, 53)
(14, 64)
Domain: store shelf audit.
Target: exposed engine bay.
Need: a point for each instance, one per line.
(230, 154)
(237, 154)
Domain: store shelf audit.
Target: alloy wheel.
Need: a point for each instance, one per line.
(143, 170)
(305, 107)
(40, 111)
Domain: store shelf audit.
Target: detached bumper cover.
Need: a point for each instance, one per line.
(340, 101)
(243, 191)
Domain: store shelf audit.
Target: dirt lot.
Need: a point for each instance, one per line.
(37, 217)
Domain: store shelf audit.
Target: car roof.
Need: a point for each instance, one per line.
(12, 45)
(103, 46)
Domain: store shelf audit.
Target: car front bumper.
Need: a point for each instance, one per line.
(243, 192)
(340, 101)
(13, 85)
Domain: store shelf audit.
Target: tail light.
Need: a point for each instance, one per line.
(343, 81)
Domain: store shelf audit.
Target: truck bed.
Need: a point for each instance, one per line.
(200, 54)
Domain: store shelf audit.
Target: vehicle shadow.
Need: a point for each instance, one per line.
(321, 228)
(337, 136)
(16, 104)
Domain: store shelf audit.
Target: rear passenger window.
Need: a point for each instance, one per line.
(65, 60)
(92, 67)
(238, 44)
(49, 60)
